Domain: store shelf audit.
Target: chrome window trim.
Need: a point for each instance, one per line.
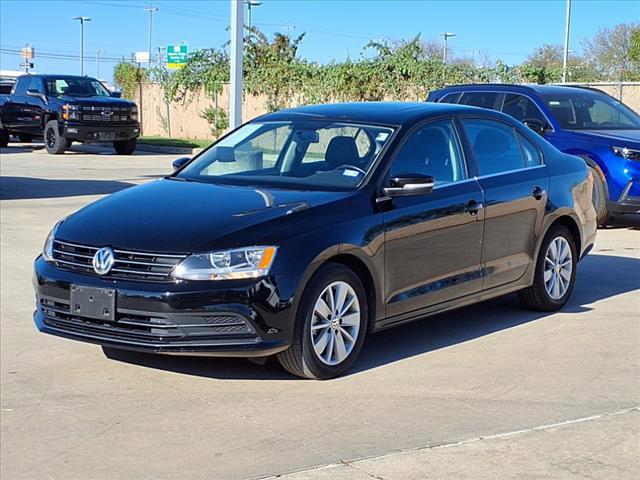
(506, 172)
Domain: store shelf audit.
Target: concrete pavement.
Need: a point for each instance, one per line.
(490, 391)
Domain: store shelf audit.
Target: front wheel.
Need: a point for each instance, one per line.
(555, 272)
(330, 325)
(126, 147)
(53, 141)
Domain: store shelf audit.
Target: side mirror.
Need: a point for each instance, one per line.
(31, 92)
(116, 94)
(409, 184)
(180, 162)
(536, 125)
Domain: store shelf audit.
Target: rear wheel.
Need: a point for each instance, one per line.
(4, 138)
(53, 141)
(555, 272)
(330, 325)
(126, 147)
(599, 197)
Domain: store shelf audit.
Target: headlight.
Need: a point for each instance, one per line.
(134, 113)
(47, 248)
(249, 262)
(70, 112)
(627, 153)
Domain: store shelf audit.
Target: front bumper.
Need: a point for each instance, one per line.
(239, 319)
(629, 200)
(90, 133)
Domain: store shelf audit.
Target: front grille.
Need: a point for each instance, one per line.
(106, 114)
(128, 265)
(145, 326)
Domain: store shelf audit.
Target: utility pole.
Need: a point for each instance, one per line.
(235, 90)
(446, 36)
(250, 5)
(151, 9)
(98, 52)
(565, 60)
(82, 21)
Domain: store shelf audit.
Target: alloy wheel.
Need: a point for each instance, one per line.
(558, 268)
(51, 138)
(335, 323)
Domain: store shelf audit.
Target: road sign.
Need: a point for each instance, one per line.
(141, 57)
(177, 56)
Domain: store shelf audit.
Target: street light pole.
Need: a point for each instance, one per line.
(250, 5)
(82, 20)
(151, 10)
(446, 36)
(98, 52)
(235, 90)
(565, 60)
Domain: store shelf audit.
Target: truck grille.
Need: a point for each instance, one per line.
(106, 114)
(128, 265)
(145, 326)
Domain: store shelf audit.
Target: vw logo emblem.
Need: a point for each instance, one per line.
(103, 260)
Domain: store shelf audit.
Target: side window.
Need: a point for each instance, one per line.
(21, 86)
(530, 151)
(495, 146)
(522, 108)
(432, 150)
(450, 98)
(36, 84)
(479, 99)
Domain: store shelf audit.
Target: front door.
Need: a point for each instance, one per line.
(515, 184)
(433, 242)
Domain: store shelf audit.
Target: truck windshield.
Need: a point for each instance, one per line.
(298, 154)
(76, 87)
(591, 111)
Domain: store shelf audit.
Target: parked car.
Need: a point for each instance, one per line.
(5, 89)
(579, 121)
(65, 109)
(303, 230)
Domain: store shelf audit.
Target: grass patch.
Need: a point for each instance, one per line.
(174, 142)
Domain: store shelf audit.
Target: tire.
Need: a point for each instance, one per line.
(53, 141)
(126, 147)
(542, 296)
(4, 138)
(599, 197)
(301, 358)
(26, 138)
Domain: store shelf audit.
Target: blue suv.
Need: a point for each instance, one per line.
(580, 121)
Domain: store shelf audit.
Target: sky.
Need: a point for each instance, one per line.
(335, 29)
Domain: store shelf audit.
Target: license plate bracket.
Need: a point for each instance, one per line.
(107, 136)
(91, 302)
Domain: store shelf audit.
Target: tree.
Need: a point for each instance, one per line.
(546, 56)
(634, 52)
(610, 51)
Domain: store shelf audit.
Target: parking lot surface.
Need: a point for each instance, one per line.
(490, 391)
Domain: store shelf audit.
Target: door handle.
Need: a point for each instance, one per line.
(474, 207)
(538, 193)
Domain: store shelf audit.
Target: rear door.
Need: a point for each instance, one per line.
(433, 242)
(515, 183)
(15, 107)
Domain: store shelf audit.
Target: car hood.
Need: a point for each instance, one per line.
(171, 216)
(621, 138)
(98, 100)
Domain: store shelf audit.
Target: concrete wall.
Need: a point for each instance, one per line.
(183, 120)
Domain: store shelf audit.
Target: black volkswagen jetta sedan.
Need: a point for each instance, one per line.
(303, 230)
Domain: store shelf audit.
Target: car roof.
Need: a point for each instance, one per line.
(50, 75)
(549, 89)
(372, 112)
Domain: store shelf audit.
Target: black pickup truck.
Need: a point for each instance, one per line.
(65, 109)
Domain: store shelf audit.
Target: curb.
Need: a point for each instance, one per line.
(162, 149)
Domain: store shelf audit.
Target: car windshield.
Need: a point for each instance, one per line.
(591, 111)
(76, 87)
(299, 154)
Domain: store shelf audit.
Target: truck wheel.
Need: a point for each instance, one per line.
(26, 138)
(53, 141)
(126, 147)
(4, 138)
(599, 197)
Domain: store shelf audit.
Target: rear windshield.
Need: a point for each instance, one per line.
(591, 111)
